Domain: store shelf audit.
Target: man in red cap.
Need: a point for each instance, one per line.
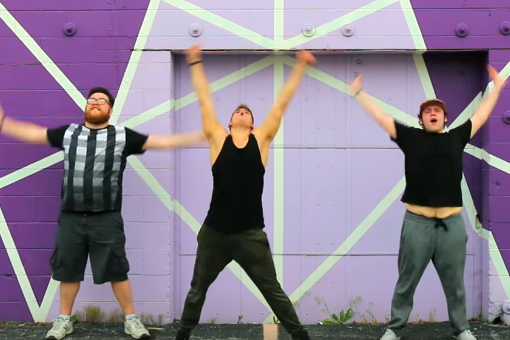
(433, 228)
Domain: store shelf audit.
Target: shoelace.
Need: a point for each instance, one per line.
(136, 323)
(59, 322)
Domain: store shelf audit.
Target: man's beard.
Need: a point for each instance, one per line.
(97, 119)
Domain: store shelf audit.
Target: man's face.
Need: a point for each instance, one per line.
(98, 110)
(241, 118)
(433, 119)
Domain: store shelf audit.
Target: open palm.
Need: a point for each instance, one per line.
(499, 81)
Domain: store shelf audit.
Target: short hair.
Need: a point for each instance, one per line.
(243, 106)
(104, 91)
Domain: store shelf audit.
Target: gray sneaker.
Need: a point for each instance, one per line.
(61, 328)
(136, 329)
(390, 335)
(466, 335)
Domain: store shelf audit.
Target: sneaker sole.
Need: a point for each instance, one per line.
(51, 337)
(144, 336)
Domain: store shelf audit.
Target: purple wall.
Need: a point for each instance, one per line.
(320, 186)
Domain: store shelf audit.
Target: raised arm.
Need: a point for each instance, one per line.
(174, 141)
(484, 110)
(210, 122)
(269, 128)
(382, 118)
(24, 131)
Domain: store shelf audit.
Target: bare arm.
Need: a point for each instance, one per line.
(210, 122)
(24, 131)
(269, 128)
(174, 141)
(484, 110)
(375, 111)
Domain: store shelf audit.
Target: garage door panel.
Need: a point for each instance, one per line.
(363, 131)
(334, 66)
(255, 90)
(329, 288)
(337, 165)
(384, 76)
(382, 237)
(195, 182)
(315, 201)
(372, 174)
(316, 116)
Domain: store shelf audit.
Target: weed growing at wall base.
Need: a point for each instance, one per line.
(296, 305)
(94, 314)
(335, 319)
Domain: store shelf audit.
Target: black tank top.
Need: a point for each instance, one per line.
(238, 183)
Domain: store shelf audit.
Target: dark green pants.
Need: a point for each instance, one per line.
(444, 243)
(250, 249)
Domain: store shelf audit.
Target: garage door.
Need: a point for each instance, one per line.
(333, 185)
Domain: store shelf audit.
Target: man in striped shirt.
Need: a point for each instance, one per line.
(90, 221)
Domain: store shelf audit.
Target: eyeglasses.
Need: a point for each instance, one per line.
(100, 101)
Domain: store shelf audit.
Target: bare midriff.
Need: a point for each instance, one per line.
(430, 212)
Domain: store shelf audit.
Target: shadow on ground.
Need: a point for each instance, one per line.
(430, 331)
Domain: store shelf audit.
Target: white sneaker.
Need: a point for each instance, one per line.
(466, 335)
(61, 328)
(390, 335)
(136, 329)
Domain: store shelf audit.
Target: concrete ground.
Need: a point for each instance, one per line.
(429, 331)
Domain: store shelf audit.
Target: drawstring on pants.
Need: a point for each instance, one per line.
(440, 223)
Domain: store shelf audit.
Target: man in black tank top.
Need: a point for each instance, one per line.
(233, 228)
(433, 228)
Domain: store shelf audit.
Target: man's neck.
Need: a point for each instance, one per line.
(240, 133)
(96, 126)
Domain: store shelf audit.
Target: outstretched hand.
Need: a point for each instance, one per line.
(306, 58)
(198, 137)
(356, 85)
(499, 81)
(193, 54)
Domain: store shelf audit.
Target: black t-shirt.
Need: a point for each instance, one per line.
(134, 140)
(433, 164)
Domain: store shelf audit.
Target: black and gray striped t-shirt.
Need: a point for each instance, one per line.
(94, 163)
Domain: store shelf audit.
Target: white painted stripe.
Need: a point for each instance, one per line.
(423, 73)
(499, 264)
(134, 59)
(279, 26)
(31, 169)
(279, 181)
(41, 56)
(467, 112)
(223, 23)
(335, 24)
(412, 23)
(19, 269)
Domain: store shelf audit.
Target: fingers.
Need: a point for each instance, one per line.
(306, 57)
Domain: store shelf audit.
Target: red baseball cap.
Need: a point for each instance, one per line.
(430, 102)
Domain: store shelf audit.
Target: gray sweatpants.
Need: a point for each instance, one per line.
(444, 242)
